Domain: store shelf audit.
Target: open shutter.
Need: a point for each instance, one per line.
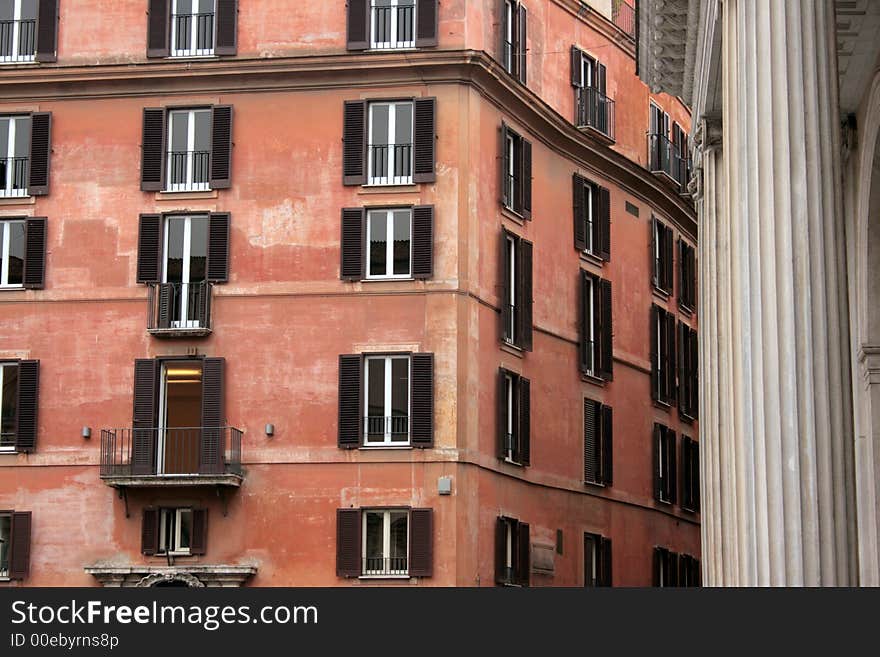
(669, 248)
(227, 27)
(143, 435)
(153, 150)
(35, 252)
(20, 545)
(655, 239)
(525, 421)
(348, 542)
(655, 349)
(658, 565)
(524, 273)
(427, 18)
(670, 357)
(604, 223)
(422, 401)
(591, 432)
(199, 542)
(607, 446)
(149, 248)
(163, 311)
(421, 543)
(606, 354)
(423, 241)
(501, 551)
(218, 247)
(47, 31)
(353, 245)
(354, 140)
(695, 374)
(505, 284)
(150, 531)
(40, 148)
(158, 22)
(579, 204)
(358, 25)
(522, 43)
(350, 377)
(525, 179)
(672, 468)
(213, 443)
(501, 405)
(221, 146)
(424, 139)
(585, 353)
(28, 397)
(695, 475)
(524, 561)
(506, 201)
(655, 461)
(576, 67)
(605, 564)
(686, 500)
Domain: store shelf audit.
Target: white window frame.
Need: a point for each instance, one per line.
(389, 243)
(388, 177)
(4, 573)
(187, 185)
(6, 448)
(5, 245)
(662, 473)
(176, 548)
(161, 437)
(185, 321)
(589, 192)
(388, 440)
(590, 328)
(508, 55)
(6, 189)
(511, 172)
(394, 31)
(15, 57)
(586, 67)
(510, 329)
(386, 542)
(510, 386)
(194, 50)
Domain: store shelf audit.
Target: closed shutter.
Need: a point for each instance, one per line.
(501, 551)
(672, 568)
(424, 139)
(524, 272)
(525, 178)
(659, 554)
(153, 150)
(422, 401)
(353, 244)
(604, 223)
(524, 561)
(672, 479)
(426, 23)
(576, 67)
(143, 435)
(591, 554)
(227, 27)
(47, 31)
(213, 418)
(522, 41)
(506, 201)
(350, 432)
(150, 531)
(579, 204)
(525, 421)
(607, 444)
(163, 312)
(655, 350)
(501, 446)
(421, 543)
(40, 149)
(354, 142)
(149, 248)
(199, 541)
(670, 358)
(158, 22)
(591, 433)
(656, 463)
(35, 252)
(20, 545)
(218, 247)
(423, 241)
(221, 146)
(348, 542)
(605, 564)
(358, 25)
(28, 401)
(606, 352)
(505, 284)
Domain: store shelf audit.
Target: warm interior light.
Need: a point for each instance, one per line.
(175, 381)
(182, 372)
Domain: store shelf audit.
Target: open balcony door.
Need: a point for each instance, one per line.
(180, 417)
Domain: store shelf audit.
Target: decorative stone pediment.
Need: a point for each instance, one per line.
(197, 575)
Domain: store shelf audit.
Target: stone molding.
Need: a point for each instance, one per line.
(196, 576)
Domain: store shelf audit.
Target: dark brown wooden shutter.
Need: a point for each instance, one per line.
(353, 244)
(606, 352)
(153, 150)
(143, 435)
(424, 139)
(218, 247)
(591, 433)
(422, 401)
(163, 312)
(20, 545)
(524, 561)
(505, 284)
(421, 543)
(525, 421)
(28, 401)
(40, 149)
(682, 274)
(158, 24)
(585, 352)
(501, 405)
(348, 542)
(604, 223)
(673, 467)
(227, 27)
(213, 418)
(671, 387)
(149, 248)
(526, 179)
(423, 241)
(579, 204)
(576, 68)
(501, 551)
(524, 274)
(695, 374)
(35, 252)
(522, 43)
(350, 398)
(655, 350)
(659, 554)
(655, 272)
(607, 446)
(695, 475)
(686, 488)
(605, 564)
(150, 531)
(505, 166)
(221, 146)
(199, 541)
(682, 365)
(669, 249)
(672, 568)
(427, 19)
(655, 460)
(47, 31)
(354, 142)
(358, 25)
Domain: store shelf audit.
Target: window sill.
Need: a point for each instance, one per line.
(388, 280)
(12, 288)
(591, 258)
(388, 189)
(596, 483)
(513, 215)
(177, 58)
(392, 49)
(592, 378)
(687, 310)
(659, 293)
(384, 577)
(666, 406)
(5, 579)
(376, 447)
(186, 195)
(512, 349)
(510, 461)
(17, 200)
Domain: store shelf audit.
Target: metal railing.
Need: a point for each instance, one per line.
(509, 444)
(393, 27)
(384, 566)
(589, 348)
(13, 176)
(593, 109)
(391, 164)
(510, 326)
(381, 427)
(623, 15)
(7, 440)
(664, 157)
(188, 171)
(180, 306)
(170, 451)
(193, 34)
(18, 40)
(508, 62)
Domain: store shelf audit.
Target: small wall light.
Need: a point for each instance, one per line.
(87, 432)
(270, 430)
(444, 485)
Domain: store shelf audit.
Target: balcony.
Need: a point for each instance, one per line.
(188, 171)
(380, 429)
(664, 161)
(594, 113)
(192, 35)
(623, 15)
(393, 27)
(17, 41)
(384, 567)
(181, 456)
(180, 310)
(391, 164)
(13, 177)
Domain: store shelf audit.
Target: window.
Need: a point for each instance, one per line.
(597, 560)
(687, 272)
(8, 414)
(393, 542)
(189, 150)
(390, 144)
(387, 243)
(385, 538)
(593, 108)
(388, 24)
(393, 24)
(681, 161)
(661, 248)
(688, 570)
(15, 544)
(513, 39)
(516, 299)
(18, 31)
(516, 173)
(18, 405)
(592, 218)
(512, 552)
(185, 269)
(386, 400)
(174, 531)
(597, 443)
(514, 418)
(688, 392)
(192, 28)
(596, 348)
(662, 356)
(673, 569)
(12, 250)
(664, 464)
(15, 139)
(690, 474)
(659, 147)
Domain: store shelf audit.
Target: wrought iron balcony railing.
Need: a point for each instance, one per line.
(180, 308)
(384, 566)
(7, 441)
(664, 158)
(14, 176)
(595, 110)
(391, 164)
(393, 27)
(18, 40)
(378, 428)
(623, 15)
(188, 171)
(193, 35)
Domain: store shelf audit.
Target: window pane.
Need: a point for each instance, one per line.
(378, 243)
(375, 526)
(179, 128)
(7, 8)
(9, 402)
(403, 124)
(203, 130)
(5, 532)
(400, 387)
(379, 124)
(16, 253)
(376, 398)
(399, 536)
(22, 136)
(198, 249)
(4, 138)
(184, 6)
(185, 518)
(174, 271)
(28, 9)
(166, 531)
(206, 6)
(401, 241)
